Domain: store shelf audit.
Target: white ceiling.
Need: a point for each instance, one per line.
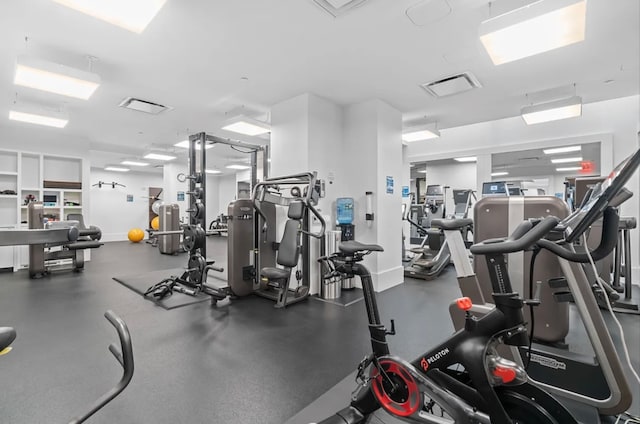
(194, 55)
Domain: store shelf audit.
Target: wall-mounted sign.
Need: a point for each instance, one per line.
(129, 197)
(181, 196)
(389, 185)
(405, 191)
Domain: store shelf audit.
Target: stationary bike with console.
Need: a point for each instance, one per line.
(490, 388)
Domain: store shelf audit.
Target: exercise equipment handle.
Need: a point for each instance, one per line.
(608, 241)
(524, 236)
(124, 358)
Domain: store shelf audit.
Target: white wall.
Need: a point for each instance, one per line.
(110, 210)
(226, 191)
(372, 151)
(613, 122)
(289, 135)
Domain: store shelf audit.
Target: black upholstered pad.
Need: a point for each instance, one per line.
(83, 245)
(350, 247)
(451, 224)
(275, 273)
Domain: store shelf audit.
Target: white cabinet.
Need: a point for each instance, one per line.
(57, 181)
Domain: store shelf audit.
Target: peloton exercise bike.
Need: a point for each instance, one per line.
(490, 388)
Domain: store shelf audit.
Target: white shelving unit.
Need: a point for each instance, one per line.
(25, 174)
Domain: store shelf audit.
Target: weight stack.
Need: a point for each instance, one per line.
(169, 221)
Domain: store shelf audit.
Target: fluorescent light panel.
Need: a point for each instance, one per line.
(533, 29)
(248, 126)
(557, 150)
(39, 118)
(411, 136)
(235, 166)
(158, 156)
(566, 160)
(213, 171)
(134, 163)
(499, 174)
(466, 159)
(131, 15)
(55, 78)
(185, 145)
(570, 168)
(422, 171)
(116, 169)
(552, 111)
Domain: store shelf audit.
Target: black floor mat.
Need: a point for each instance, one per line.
(141, 283)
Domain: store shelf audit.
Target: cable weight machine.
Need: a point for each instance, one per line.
(193, 280)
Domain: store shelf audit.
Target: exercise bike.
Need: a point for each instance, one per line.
(489, 388)
(124, 358)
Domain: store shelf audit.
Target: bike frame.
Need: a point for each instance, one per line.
(469, 347)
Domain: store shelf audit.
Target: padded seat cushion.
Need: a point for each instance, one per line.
(451, 224)
(355, 246)
(275, 273)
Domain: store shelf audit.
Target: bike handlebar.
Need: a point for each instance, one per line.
(526, 234)
(124, 358)
(608, 241)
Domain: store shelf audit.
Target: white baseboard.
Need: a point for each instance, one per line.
(388, 278)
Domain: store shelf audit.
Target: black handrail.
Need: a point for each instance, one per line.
(124, 358)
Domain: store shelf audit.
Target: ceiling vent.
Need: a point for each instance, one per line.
(143, 106)
(451, 85)
(338, 7)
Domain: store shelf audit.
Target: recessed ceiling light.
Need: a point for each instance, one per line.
(38, 116)
(535, 28)
(557, 150)
(158, 156)
(552, 111)
(131, 15)
(422, 171)
(248, 126)
(55, 78)
(185, 145)
(466, 159)
(213, 171)
(235, 166)
(499, 174)
(134, 163)
(116, 169)
(566, 160)
(570, 168)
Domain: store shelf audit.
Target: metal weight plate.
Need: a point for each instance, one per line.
(197, 210)
(194, 237)
(197, 193)
(196, 267)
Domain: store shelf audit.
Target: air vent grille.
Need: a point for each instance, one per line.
(454, 84)
(143, 106)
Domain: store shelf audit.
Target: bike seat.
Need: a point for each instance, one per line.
(451, 224)
(7, 336)
(351, 247)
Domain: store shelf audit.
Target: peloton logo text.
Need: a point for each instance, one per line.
(425, 362)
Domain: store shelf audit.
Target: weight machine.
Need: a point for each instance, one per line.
(194, 279)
